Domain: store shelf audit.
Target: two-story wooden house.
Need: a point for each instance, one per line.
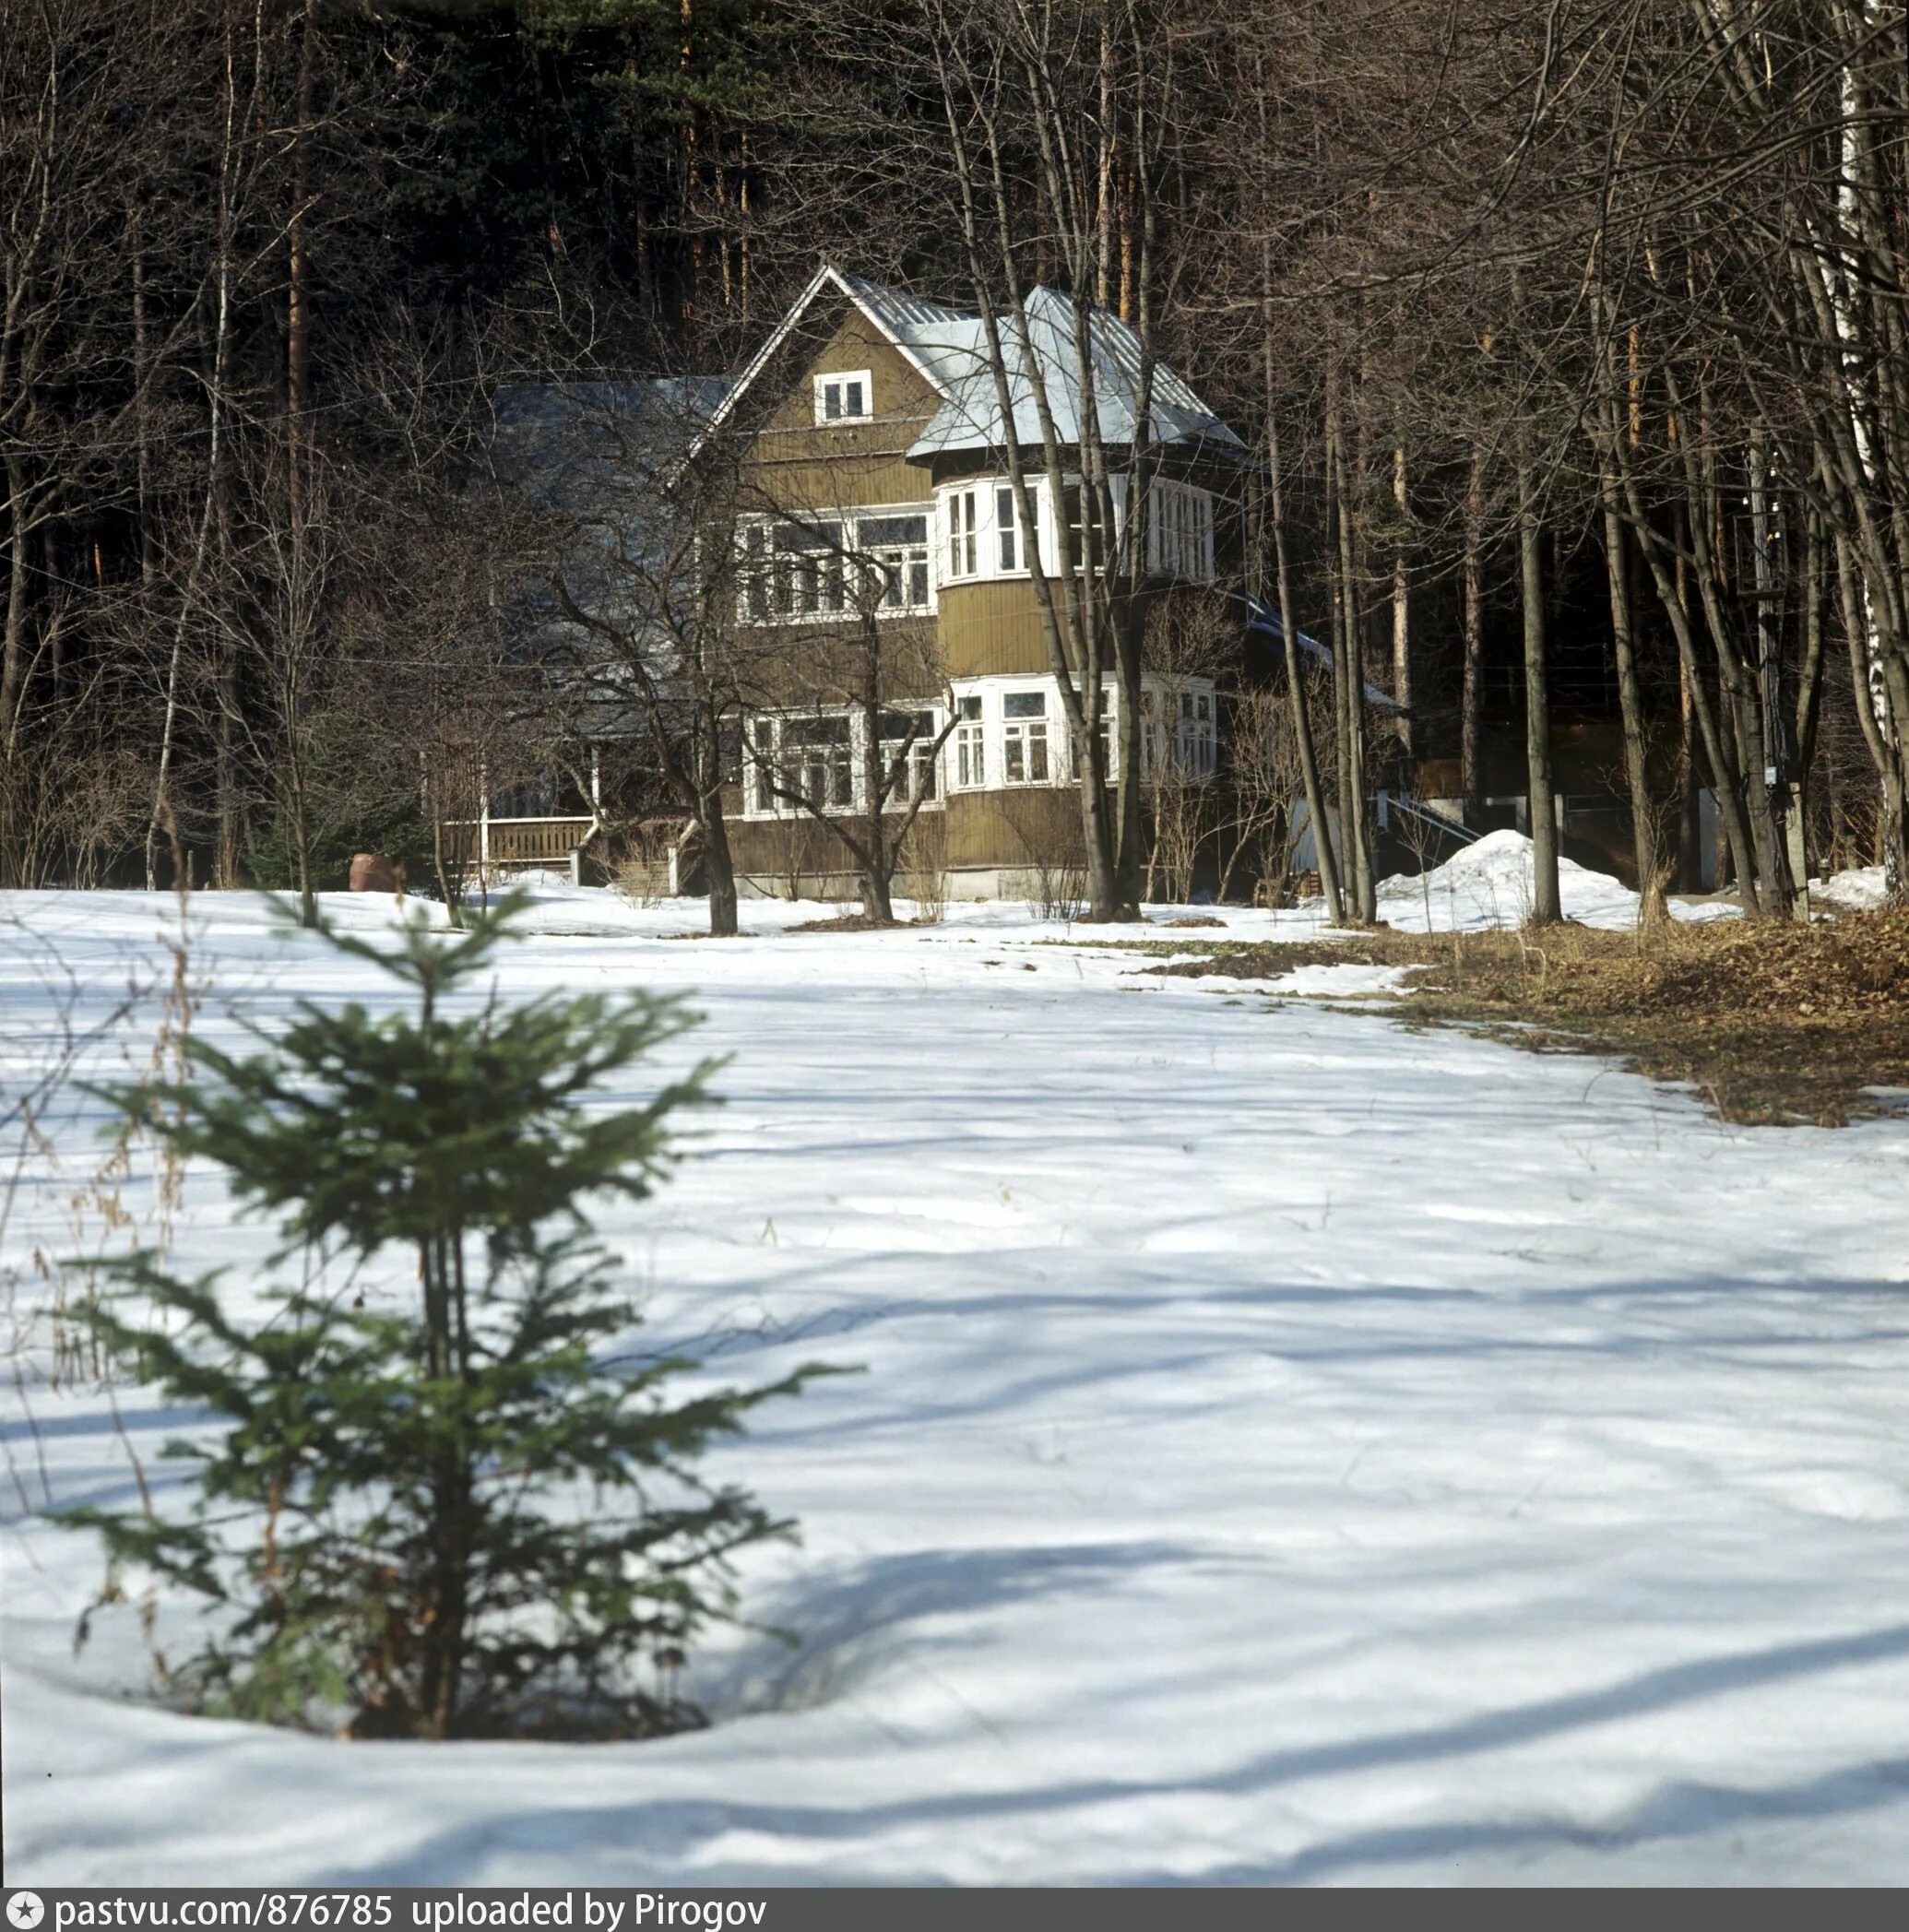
(871, 438)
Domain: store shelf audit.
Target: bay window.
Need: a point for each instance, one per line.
(970, 746)
(916, 752)
(964, 534)
(1180, 539)
(1024, 737)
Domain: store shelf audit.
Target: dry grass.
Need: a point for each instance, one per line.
(1771, 1023)
(855, 922)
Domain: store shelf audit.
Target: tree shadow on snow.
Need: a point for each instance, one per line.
(846, 1628)
(646, 1832)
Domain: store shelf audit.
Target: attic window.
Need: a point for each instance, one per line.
(846, 396)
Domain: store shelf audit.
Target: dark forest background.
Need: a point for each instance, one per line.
(1571, 336)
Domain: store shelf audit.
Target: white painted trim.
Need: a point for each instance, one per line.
(785, 811)
(856, 515)
(825, 276)
(821, 380)
(987, 490)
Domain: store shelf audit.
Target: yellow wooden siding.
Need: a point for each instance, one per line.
(1033, 825)
(785, 666)
(785, 851)
(804, 465)
(995, 629)
(991, 630)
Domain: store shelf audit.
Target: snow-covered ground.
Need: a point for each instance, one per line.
(1292, 1448)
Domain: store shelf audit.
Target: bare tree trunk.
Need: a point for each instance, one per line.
(1472, 701)
(1670, 595)
(13, 660)
(298, 321)
(1295, 668)
(1350, 681)
(1401, 607)
(1652, 907)
(720, 866)
(162, 812)
(1546, 901)
(1777, 793)
(875, 866)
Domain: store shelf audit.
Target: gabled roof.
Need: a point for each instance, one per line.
(584, 445)
(971, 418)
(948, 348)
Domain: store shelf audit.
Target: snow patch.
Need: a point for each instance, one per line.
(1861, 889)
(1491, 884)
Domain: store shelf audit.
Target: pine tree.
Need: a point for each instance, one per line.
(439, 1510)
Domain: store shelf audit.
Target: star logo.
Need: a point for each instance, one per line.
(25, 1910)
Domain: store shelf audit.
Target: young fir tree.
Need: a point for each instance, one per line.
(439, 1510)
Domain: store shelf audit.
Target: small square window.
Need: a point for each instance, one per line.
(847, 397)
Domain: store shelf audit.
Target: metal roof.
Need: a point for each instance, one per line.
(972, 416)
(949, 347)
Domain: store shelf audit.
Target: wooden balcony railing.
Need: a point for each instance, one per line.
(517, 841)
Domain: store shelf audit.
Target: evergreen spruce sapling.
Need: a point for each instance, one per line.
(438, 1512)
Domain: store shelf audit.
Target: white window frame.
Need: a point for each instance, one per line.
(1179, 532)
(903, 559)
(774, 588)
(1030, 736)
(773, 750)
(961, 534)
(1196, 732)
(924, 760)
(1179, 726)
(968, 764)
(842, 380)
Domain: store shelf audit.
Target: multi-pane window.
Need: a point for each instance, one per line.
(792, 570)
(763, 776)
(797, 761)
(1024, 737)
(810, 574)
(1007, 529)
(1181, 532)
(964, 534)
(1080, 509)
(908, 756)
(970, 746)
(896, 548)
(1195, 748)
(826, 568)
(847, 397)
(815, 760)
